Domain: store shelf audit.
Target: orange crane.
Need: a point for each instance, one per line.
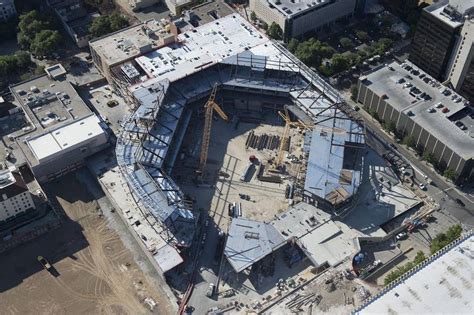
(301, 125)
(209, 108)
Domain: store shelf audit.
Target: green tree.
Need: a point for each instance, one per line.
(400, 271)
(389, 126)
(382, 45)
(265, 26)
(409, 141)
(429, 157)
(23, 59)
(253, 16)
(293, 45)
(45, 43)
(362, 36)
(346, 43)
(354, 91)
(339, 63)
(275, 31)
(450, 174)
(443, 239)
(117, 22)
(107, 24)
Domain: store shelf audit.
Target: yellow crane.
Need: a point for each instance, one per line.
(209, 108)
(301, 125)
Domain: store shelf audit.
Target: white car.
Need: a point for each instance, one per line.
(422, 186)
(401, 236)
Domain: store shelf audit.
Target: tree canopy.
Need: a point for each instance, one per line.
(45, 42)
(107, 24)
(275, 31)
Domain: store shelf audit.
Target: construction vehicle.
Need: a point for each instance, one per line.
(209, 108)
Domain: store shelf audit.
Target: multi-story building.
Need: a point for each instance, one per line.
(14, 195)
(461, 75)
(75, 19)
(436, 118)
(7, 9)
(438, 35)
(297, 17)
(114, 54)
(62, 130)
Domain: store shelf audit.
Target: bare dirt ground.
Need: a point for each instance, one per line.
(96, 273)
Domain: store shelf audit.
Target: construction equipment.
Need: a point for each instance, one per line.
(286, 131)
(301, 125)
(209, 107)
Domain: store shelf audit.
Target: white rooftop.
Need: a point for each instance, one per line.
(66, 137)
(443, 286)
(199, 48)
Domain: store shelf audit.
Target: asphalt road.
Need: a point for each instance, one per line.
(441, 191)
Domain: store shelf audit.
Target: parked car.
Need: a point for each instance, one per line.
(401, 236)
(422, 186)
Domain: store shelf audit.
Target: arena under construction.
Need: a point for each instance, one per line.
(254, 80)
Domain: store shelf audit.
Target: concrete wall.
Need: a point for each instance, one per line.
(308, 20)
(324, 16)
(267, 14)
(68, 161)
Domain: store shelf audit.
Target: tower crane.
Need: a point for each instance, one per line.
(209, 108)
(301, 125)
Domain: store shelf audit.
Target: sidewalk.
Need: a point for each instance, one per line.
(447, 186)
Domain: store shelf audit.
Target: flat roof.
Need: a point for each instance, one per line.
(384, 81)
(322, 239)
(290, 8)
(443, 285)
(248, 241)
(49, 104)
(451, 12)
(65, 137)
(199, 48)
(130, 42)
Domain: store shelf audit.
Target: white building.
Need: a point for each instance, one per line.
(14, 195)
(297, 17)
(7, 9)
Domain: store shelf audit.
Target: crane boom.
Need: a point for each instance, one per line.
(302, 125)
(209, 107)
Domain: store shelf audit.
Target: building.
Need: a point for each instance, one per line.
(461, 75)
(63, 131)
(297, 18)
(137, 5)
(111, 52)
(178, 6)
(437, 36)
(7, 9)
(15, 198)
(75, 19)
(437, 118)
(440, 285)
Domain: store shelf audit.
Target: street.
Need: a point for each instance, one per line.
(439, 190)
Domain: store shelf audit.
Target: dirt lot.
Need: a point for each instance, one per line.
(96, 273)
(228, 154)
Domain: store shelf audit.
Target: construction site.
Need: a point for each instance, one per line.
(243, 173)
